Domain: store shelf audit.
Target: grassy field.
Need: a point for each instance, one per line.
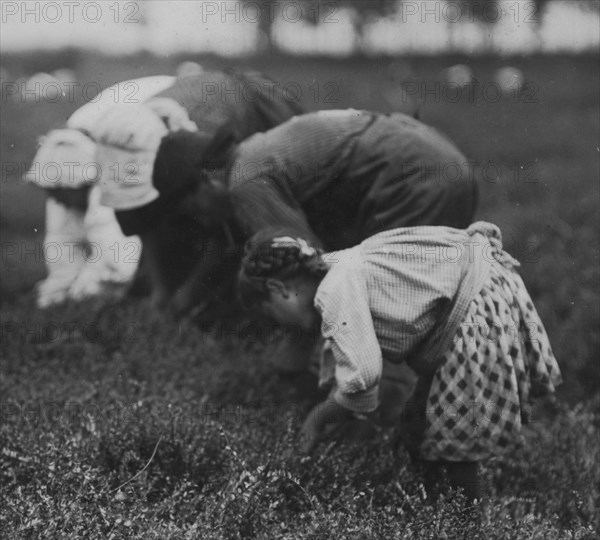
(118, 422)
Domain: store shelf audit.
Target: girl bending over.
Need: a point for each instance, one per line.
(447, 301)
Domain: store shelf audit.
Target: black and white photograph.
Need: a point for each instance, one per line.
(300, 269)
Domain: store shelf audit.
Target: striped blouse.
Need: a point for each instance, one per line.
(384, 298)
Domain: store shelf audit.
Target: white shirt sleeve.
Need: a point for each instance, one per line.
(343, 301)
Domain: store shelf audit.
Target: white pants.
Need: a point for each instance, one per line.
(85, 251)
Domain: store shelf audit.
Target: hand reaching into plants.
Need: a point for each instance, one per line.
(316, 423)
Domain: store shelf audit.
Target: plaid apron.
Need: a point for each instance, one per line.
(475, 403)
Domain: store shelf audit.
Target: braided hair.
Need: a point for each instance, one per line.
(279, 254)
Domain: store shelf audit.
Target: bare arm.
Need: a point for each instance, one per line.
(313, 428)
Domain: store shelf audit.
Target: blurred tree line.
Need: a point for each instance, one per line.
(484, 11)
(478, 10)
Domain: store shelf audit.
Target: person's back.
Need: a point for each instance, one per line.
(131, 92)
(409, 275)
(342, 176)
(273, 176)
(246, 100)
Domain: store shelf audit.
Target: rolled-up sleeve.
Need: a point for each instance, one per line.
(343, 302)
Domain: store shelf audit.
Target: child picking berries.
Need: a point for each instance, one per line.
(447, 301)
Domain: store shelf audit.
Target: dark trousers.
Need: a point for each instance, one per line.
(439, 476)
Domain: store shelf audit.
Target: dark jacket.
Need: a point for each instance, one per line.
(339, 177)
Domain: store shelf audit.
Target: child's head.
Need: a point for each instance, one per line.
(279, 276)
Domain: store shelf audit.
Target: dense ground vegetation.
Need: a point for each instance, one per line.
(117, 422)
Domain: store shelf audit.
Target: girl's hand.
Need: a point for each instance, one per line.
(327, 412)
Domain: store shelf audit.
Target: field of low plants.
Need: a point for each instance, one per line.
(120, 422)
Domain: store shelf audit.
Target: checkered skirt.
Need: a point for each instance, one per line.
(499, 360)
